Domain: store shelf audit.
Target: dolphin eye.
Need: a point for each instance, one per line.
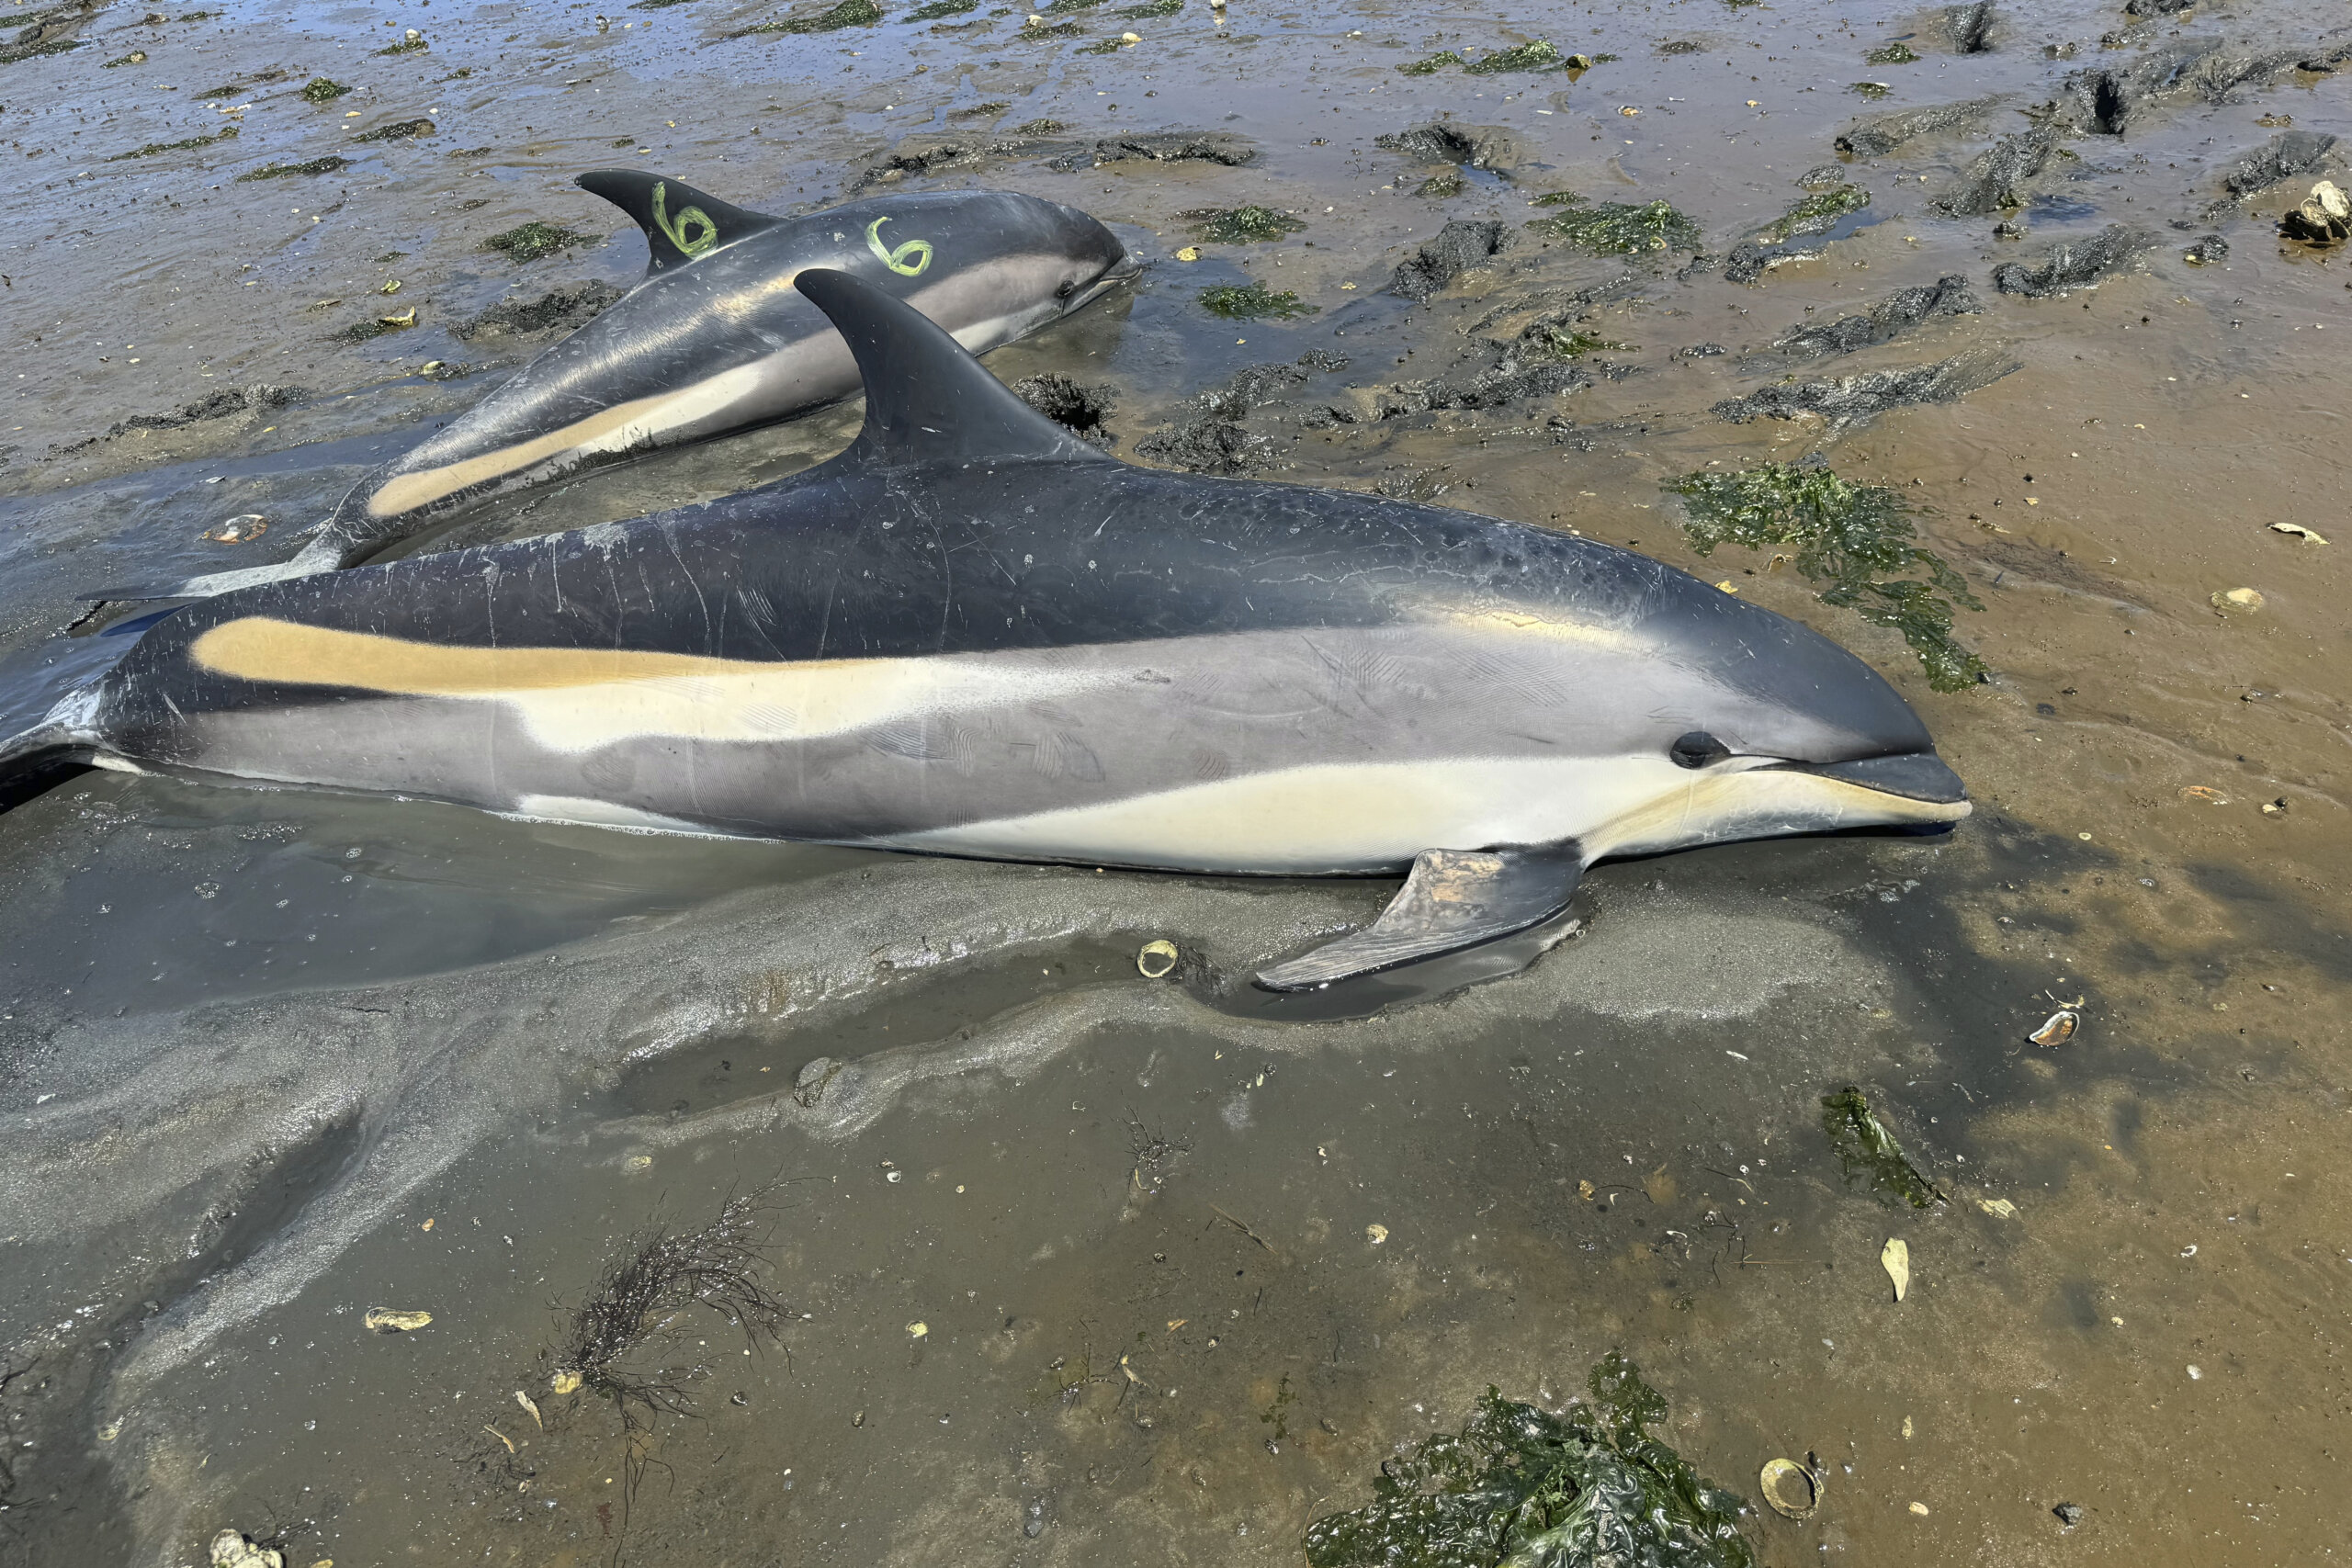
(1067, 289)
(1696, 750)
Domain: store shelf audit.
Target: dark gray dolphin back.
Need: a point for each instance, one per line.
(680, 222)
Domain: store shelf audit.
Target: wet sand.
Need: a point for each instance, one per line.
(251, 1043)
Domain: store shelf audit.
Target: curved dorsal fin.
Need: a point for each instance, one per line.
(927, 400)
(680, 222)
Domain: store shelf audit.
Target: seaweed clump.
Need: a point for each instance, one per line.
(939, 8)
(1617, 228)
(529, 242)
(1865, 1147)
(1520, 1486)
(1891, 54)
(1817, 212)
(1858, 539)
(325, 166)
(1535, 55)
(321, 90)
(154, 148)
(848, 14)
(1243, 225)
(1248, 301)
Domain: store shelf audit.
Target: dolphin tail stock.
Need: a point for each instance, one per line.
(1452, 900)
(38, 760)
(680, 222)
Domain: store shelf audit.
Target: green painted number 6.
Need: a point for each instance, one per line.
(692, 231)
(896, 260)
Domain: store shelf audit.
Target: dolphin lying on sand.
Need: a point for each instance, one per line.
(973, 634)
(715, 340)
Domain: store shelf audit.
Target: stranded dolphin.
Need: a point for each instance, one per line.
(972, 634)
(715, 340)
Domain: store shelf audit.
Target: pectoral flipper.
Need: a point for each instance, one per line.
(1452, 900)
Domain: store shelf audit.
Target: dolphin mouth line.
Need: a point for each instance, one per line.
(1913, 775)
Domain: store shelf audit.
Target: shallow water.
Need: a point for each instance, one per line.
(251, 1043)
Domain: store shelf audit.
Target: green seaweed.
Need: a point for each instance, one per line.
(1858, 539)
(136, 58)
(1550, 340)
(1439, 186)
(989, 110)
(1067, 6)
(1051, 30)
(1102, 46)
(1816, 211)
(153, 148)
(1523, 1487)
(1891, 54)
(1617, 228)
(529, 242)
(1243, 225)
(1534, 55)
(1432, 65)
(1866, 1148)
(398, 131)
(325, 166)
(14, 52)
(1248, 301)
(1156, 9)
(655, 5)
(939, 8)
(1870, 89)
(847, 14)
(324, 90)
(406, 46)
(1041, 128)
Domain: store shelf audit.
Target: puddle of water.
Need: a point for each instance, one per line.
(1191, 1260)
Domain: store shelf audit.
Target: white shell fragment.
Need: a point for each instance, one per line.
(1896, 1258)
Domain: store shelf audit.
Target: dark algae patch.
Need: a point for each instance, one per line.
(398, 131)
(1817, 212)
(1867, 1150)
(939, 8)
(324, 90)
(325, 166)
(1891, 54)
(1519, 1486)
(848, 14)
(1857, 539)
(1243, 225)
(154, 147)
(529, 242)
(1535, 55)
(1248, 301)
(1617, 228)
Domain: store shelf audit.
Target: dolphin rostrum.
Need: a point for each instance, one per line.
(715, 340)
(973, 634)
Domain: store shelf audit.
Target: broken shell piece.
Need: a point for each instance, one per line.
(1189, 253)
(232, 1549)
(2298, 530)
(1896, 1258)
(2238, 599)
(384, 1320)
(2324, 217)
(1792, 1490)
(1131, 37)
(405, 319)
(1376, 1233)
(1999, 1208)
(564, 1382)
(530, 1405)
(240, 530)
(1156, 960)
(2057, 1029)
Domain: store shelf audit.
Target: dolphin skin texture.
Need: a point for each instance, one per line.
(715, 340)
(973, 634)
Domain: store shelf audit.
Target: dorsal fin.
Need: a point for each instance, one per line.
(680, 222)
(927, 400)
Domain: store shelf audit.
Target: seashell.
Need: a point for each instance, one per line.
(2058, 1028)
(384, 1320)
(240, 530)
(1157, 959)
(1794, 1491)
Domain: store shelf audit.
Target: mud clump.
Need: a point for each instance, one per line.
(2284, 156)
(1869, 1153)
(2157, 7)
(1211, 438)
(398, 131)
(259, 397)
(1459, 246)
(1617, 228)
(2108, 100)
(1884, 133)
(1521, 1486)
(1167, 147)
(326, 165)
(1859, 540)
(2207, 251)
(1443, 141)
(565, 307)
(1241, 225)
(1884, 323)
(1076, 407)
(1749, 261)
(535, 239)
(1849, 400)
(1969, 28)
(2074, 264)
(1507, 377)
(1997, 178)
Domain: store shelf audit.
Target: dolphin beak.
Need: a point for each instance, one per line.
(1128, 268)
(1914, 775)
